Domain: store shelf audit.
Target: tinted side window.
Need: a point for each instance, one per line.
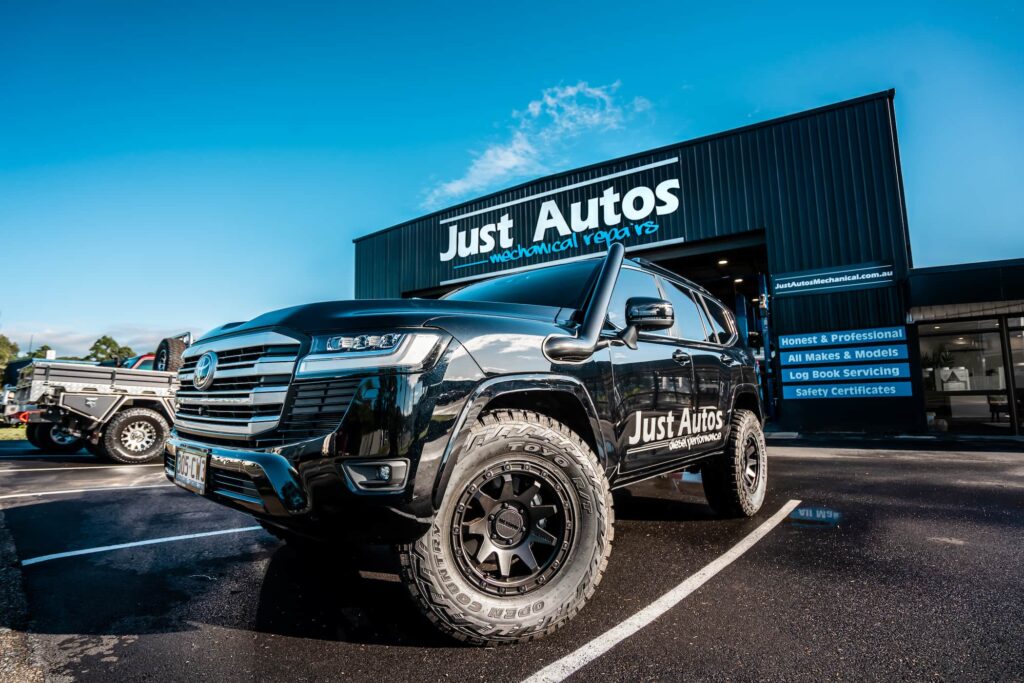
(689, 321)
(146, 364)
(630, 283)
(719, 323)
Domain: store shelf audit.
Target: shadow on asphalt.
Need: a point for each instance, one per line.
(307, 594)
(322, 596)
(630, 505)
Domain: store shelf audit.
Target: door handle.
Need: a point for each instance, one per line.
(681, 357)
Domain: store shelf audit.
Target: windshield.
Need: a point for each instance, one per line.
(562, 286)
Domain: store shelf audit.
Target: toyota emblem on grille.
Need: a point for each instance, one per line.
(205, 369)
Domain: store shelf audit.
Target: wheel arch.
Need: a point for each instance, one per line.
(561, 397)
(160, 405)
(746, 397)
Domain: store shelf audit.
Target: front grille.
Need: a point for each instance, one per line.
(242, 412)
(248, 392)
(317, 408)
(245, 355)
(225, 481)
(169, 460)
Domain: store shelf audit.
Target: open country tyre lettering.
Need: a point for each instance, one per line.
(521, 542)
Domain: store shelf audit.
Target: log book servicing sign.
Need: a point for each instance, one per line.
(868, 363)
(637, 206)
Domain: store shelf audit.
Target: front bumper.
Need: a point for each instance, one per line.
(320, 498)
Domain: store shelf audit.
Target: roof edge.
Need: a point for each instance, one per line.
(883, 94)
(977, 265)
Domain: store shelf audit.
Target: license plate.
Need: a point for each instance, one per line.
(190, 471)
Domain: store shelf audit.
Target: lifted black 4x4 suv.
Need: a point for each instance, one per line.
(482, 433)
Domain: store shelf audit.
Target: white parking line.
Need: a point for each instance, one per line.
(84, 456)
(573, 662)
(99, 488)
(135, 544)
(82, 467)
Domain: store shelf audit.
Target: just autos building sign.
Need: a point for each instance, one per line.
(637, 206)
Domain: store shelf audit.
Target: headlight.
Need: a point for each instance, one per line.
(334, 354)
(357, 344)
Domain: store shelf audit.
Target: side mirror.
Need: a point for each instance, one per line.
(645, 313)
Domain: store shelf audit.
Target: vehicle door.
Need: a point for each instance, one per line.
(705, 428)
(653, 384)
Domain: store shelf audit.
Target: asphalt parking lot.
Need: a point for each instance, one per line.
(897, 564)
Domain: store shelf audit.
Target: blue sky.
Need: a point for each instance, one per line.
(139, 139)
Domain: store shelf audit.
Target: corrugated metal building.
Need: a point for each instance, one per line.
(799, 223)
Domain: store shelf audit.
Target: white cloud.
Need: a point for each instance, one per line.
(641, 104)
(76, 342)
(539, 134)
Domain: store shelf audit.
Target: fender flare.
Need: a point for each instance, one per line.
(745, 389)
(489, 390)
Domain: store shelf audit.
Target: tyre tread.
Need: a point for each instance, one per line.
(416, 567)
(720, 478)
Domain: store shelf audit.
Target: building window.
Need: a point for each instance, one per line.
(966, 384)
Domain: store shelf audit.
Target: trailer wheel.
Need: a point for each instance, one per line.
(32, 433)
(135, 435)
(52, 439)
(168, 355)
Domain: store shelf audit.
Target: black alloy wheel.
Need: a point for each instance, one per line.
(522, 535)
(751, 464)
(736, 480)
(514, 527)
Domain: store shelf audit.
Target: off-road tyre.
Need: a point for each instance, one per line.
(168, 355)
(135, 436)
(519, 447)
(728, 485)
(52, 439)
(32, 433)
(97, 449)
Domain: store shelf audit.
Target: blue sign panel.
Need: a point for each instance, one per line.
(861, 390)
(854, 354)
(839, 373)
(829, 280)
(869, 336)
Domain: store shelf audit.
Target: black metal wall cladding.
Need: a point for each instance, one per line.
(825, 187)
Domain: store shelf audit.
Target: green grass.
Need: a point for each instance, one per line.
(12, 433)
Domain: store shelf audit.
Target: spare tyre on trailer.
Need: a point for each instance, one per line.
(168, 353)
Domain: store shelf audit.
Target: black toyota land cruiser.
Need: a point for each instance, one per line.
(480, 433)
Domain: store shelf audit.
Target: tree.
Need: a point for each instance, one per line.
(8, 351)
(40, 352)
(106, 348)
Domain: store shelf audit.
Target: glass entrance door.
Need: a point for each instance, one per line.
(967, 386)
(1015, 333)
